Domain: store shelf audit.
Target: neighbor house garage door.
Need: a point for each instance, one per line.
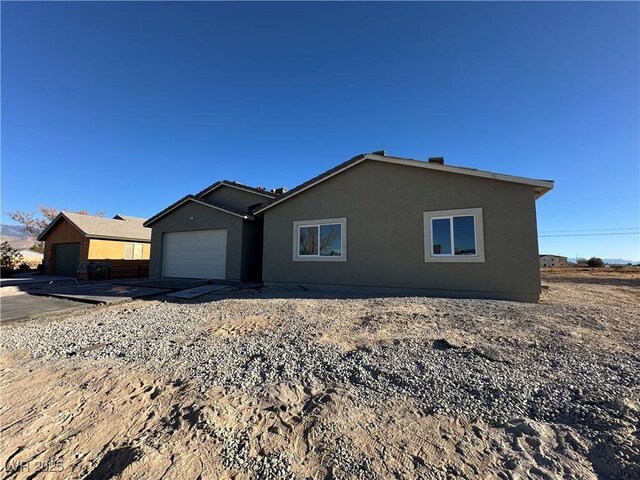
(195, 254)
(65, 259)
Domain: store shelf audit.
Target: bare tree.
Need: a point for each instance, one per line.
(328, 239)
(34, 223)
(308, 241)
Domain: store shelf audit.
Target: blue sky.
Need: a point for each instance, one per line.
(126, 107)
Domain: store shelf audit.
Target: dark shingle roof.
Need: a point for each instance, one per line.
(542, 186)
(316, 179)
(241, 186)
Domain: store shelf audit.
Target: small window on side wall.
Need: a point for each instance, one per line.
(454, 235)
(133, 251)
(320, 240)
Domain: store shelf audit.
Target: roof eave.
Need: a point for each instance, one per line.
(541, 186)
(320, 178)
(124, 239)
(192, 198)
(226, 183)
(54, 222)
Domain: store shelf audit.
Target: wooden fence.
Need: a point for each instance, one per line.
(112, 269)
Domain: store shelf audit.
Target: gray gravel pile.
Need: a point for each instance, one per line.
(547, 380)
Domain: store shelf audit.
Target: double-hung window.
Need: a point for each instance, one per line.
(320, 240)
(454, 236)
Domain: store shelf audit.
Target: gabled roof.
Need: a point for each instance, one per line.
(128, 218)
(201, 201)
(239, 186)
(541, 186)
(92, 226)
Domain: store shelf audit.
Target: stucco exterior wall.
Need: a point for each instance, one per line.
(204, 218)
(384, 204)
(64, 232)
(236, 198)
(113, 249)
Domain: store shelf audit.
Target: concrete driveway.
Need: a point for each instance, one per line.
(23, 306)
(103, 292)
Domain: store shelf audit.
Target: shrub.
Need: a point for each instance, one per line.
(595, 262)
(10, 257)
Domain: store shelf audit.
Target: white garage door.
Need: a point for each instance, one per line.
(195, 254)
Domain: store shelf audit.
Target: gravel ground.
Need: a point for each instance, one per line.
(567, 363)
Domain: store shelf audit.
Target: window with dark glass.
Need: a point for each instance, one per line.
(455, 235)
(320, 240)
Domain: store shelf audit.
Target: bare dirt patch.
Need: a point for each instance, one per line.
(100, 422)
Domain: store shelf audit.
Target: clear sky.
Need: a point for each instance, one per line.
(126, 107)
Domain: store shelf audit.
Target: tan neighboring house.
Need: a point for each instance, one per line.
(553, 261)
(72, 238)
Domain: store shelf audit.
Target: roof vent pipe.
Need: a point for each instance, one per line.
(438, 160)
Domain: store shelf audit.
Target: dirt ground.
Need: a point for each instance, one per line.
(97, 419)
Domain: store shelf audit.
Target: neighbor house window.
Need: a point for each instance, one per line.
(320, 240)
(454, 236)
(133, 251)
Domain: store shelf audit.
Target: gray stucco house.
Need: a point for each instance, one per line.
(212, 234)
(375, 223)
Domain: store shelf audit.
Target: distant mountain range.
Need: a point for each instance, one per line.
(611, 261)
(16, 236)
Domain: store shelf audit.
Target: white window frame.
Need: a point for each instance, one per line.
(317, 223)
(428, 217)
(133, 251)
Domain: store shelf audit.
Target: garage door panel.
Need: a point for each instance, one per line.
(195, 254)
(65, 259)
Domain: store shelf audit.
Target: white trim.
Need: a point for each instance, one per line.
(542, 186)
(478, 227)
(318, 258)
(239, 187)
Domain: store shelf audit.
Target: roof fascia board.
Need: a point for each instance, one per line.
(463, 171)
(124, 239)
(223, 183)
(346, 167)
(541, 184)
(193, 199)
(54, 222)
(44, 233)
(244, 217)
